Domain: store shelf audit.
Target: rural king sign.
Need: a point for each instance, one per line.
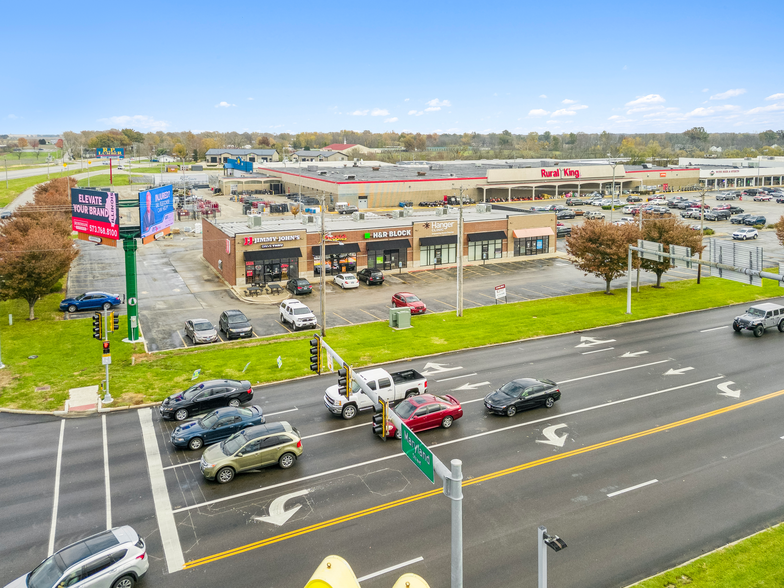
(565, 172)
(95, 213)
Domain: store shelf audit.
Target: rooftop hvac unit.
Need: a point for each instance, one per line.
(482, 207)
(358, 216)
(254, 221)
(308, 219)
(477, 164)
(407, 211)
(351, 177)
(322, 172)
(312, 168)
(439, 211)
(398, 213)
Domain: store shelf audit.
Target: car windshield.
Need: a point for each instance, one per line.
(405, 409)
(237, 318)
(755, 312)
(45, 575)
(512, 389)
(193, 390)
(205, 326)
(303, 310)
(233, 444)
(208, 421)
(412, 299)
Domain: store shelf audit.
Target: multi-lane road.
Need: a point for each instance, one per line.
(666, 443)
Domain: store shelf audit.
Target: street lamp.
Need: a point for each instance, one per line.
(612, 191)
(555, 543)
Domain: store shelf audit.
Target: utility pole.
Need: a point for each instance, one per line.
(107, 399)
(322, 272)
(460, 255)
(702, 232)
(6, 172)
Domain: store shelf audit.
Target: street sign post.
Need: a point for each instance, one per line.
(417, 452)
(500, 292)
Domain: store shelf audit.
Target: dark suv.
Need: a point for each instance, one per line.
(717, 215)
(370, 276)
(754, 220)
(206, 396)
(299, 286)
(235, 324)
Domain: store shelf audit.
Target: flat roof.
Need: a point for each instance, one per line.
(372, 222)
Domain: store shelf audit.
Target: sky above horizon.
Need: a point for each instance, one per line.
(405, 67)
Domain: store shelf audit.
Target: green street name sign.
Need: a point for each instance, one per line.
(418, 453)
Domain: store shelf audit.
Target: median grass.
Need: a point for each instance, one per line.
(102, 179)
(69, 357)
(19, 185)
(755, 561)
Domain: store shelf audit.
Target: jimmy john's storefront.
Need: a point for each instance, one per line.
(271, 258)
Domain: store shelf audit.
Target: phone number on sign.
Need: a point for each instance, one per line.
(95, 228)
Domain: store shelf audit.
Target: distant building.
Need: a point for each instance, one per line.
(346, 147)
(254, 155)
(321, 156)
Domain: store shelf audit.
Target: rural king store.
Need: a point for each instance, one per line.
(283, 250)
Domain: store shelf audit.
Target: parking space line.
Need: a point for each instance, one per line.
(284, 326)
(160, 494)
(340, 317)
(442, 302)
(56, 502)
(371, 314)
(184, 344)
(486, 296)
(106, 473)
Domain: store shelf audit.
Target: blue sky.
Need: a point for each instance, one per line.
(394, 66)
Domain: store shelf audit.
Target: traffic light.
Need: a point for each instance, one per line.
(114, 321)
(343, 380)
(380, 420)
(315, 354)
(106, 350)
(97, 326)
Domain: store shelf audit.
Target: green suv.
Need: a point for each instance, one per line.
(251, 449)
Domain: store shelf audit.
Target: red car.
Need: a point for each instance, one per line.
(410, 300)
(426, 411)
(722, 207)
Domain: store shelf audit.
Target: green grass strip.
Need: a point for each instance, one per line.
(19, 185)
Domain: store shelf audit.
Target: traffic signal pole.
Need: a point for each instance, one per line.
(106, 316)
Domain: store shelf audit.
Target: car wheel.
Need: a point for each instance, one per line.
(349, 412)
(398, 434)
(234, 402)
(759, 330)
(549, 402)
(511, 411)
(736, 326)
(181, 414)
(781, 327)
(755, 236)
(411, 393)
(224, 475)
(124, 582)
(106, 306)
(447, 422)
(286, 461)
(195, 443)
(72, 308)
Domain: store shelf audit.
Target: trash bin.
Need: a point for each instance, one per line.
(400, 318)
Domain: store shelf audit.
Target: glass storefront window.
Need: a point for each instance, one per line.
(271, 270)
(438, 254)
(388, 259)
(336, 264)
(532, 245)
(479, 250)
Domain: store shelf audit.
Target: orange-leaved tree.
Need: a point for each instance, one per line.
(601, 248)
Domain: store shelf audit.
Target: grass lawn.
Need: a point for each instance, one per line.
(753, 562)
(102, 179)
(69, 357)
(19, 185)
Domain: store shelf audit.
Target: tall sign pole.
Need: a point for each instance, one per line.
(131, 289)
(323, 276)
(460, 255)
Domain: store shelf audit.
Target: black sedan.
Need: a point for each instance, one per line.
(565, 214)
(738, 220)
(370, 276)
(522, 394)
(206, 396)
(218, 425)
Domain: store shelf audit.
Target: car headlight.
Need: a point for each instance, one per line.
(180, 439)
(339, 401)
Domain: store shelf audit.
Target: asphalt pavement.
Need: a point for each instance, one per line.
(665, 444)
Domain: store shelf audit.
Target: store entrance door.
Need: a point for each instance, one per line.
(437, 256)
(390, 259)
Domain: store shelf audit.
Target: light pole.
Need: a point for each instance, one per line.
(702, 233)
(612, 191)
(459, 311)
(6, 172)
(555, 543)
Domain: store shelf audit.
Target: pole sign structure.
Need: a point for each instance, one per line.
(95, 213)
(113, 152)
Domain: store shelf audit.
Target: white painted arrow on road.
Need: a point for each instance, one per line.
(470, 386)
(727, 391)
(552, 438)
(591, 341)
(437, 368)
(634, 354)
(678, 372)
(278, 516)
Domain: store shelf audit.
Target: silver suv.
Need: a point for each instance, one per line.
(111, 559)
(297, 315)
(760, 317)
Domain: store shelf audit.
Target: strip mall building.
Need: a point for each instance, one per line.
(284, 248)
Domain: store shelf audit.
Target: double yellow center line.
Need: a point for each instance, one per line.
(479, 480)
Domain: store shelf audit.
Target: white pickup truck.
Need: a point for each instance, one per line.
(392, 387)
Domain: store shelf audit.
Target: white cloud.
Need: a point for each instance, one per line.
(224, 104)
(649, 99)
(578, 107)
(390, 120)
(564, 112)
(432, 108)
(138, 122)
(436, 102)
(615, 117)
(379, 112)
(538, 112)
(542, 95)
(12, 116)
(705, 89)
(768, 108)
(568, 101)
(250, 98)
(415, 112)
(728, 94)
(360, 113)
(711, 110)
(775, 97)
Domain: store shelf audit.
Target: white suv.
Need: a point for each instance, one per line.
(116, 558)
(297, 314)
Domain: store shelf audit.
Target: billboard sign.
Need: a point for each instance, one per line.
(95, 213)
(246, 166)
(156, 210)
(110, 152)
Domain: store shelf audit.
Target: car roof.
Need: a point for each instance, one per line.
(101, 293)
(85, 548)
(404, 294)
(194, 321)
(230, 312)
(266, 429)
(766, 306)
(293, 302)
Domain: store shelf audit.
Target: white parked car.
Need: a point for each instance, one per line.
(297, 314)
(346, 281)
(745, 233)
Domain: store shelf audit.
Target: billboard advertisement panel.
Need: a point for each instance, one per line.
(110, 152)
(95, 213)
(156, 210)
